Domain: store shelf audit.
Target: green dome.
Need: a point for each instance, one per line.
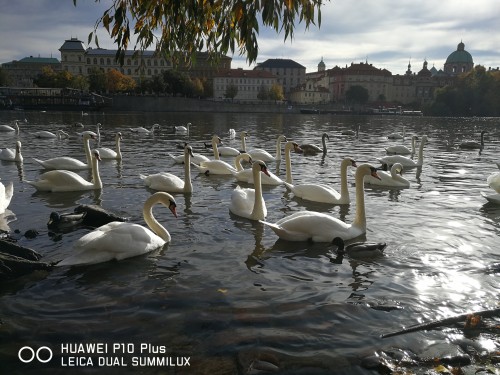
(460, 56)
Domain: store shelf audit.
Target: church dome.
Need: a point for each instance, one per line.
(460, 56)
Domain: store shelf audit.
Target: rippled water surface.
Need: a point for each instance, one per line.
(226, 292)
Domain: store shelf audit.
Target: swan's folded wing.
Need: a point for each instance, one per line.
(242, 201)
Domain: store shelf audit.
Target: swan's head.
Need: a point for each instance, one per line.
(18, 146)
(244, 134)
(96, 155)
(483, 132)
(424, 139)
(350, 162)
(366, 170)
(339, 242)
(89, 135)
(326, 136)
(282, 138)
(262, 166)
(98, 125)
(398, 168)
(188, 149)
(119, 136)
(172, 206)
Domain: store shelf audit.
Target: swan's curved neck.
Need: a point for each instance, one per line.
(278, 148)
(344, 191)
(86, 148)
(150, 220)
(323, 140)
(237, 162)
(17, 157)
(360, 219)
(96, 178)
(243, 143)
(258, 205)
(188, 185)
(118, 150)
(288, 166)
(216, 149)
(421, 152)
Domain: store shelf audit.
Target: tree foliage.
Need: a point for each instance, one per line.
(215, 26)
(475, 93)
(276, 92)
(231, 91)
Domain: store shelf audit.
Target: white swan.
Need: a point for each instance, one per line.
(66, 162)
(289, 146)
(359, 249)
(311, 149)
(493, 181)
(351, 132)
(107, 153)
(7, 128)
(249, 203)
(493, 198)
(320, 227)
(397, 135)
(402, 149)
(142, 130)
(404, 160)
(322, 192)
(164, 181)
(231, 151)
(261, 154)
(195, 158)
(392, 178)
(97, 133)
(9, 154)
(46, 134)
(232, 133)
(182, 129)
(6, 194)
(63, 180)
(473, 144)
(246, 175)
(120, 240)
(216, 166)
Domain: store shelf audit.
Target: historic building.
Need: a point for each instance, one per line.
(459, 61)
(248, 83)
(289, 73)
(22, 72)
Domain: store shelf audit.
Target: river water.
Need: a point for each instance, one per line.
(226, 293)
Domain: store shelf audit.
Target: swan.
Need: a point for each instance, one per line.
(402, 149)
(359, 249)
(322, 192)
(169, 182)
(493, 181)
(120, 240)
(261, 154)
(397, 135)
(404, 160)
(195, 157)
(142, 130)
(493, 198)
(231, 151)
(232, 133)
(6, 193)
(66, 162)
(351, 132)
(246, 175)
(289, 146)
(9, 154)
(310, 149)
(320, 227)
(182, 129)
(47, 134)
(392, 178)
(249, 203)
(97, 133)
(474, 144)
(7, 128)
(107, 153)
(63, 180)
(216, 166)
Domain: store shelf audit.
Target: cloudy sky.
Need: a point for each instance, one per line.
(386, 33)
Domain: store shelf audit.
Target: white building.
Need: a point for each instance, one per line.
(247, 82)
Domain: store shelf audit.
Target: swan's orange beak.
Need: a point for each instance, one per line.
(263, 169)
(374, 173)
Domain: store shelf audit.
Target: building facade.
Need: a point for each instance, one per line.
(23, 72)
(248, 83)
(459, 61)
(289, 74)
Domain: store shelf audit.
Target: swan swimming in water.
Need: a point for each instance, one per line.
(142, 130)
(402, 149)
(310, 149)
(322, 192)
(182, 129)
(261, 154)
(249, 203)
(107, 153)
(7, 128)
(246, 175)
(6, 193)
(231, 151)
(169, 182)
(390, 179)
(66, 162)
(359, 249)
(59, 134)
(320, 227)
(397, 135)
(216, 166)
(404, 160)
(120, 240)
(62, 180)
(474, 144)
(9, 154)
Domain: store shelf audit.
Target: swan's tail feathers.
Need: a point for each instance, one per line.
(276, 228)
(38, 161)
(288, 186)
(143, 176)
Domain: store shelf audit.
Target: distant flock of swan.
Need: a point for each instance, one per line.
(120, 240)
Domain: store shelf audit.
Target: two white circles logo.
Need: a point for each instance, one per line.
(27, 354)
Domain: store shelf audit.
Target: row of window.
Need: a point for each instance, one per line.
(240, 88)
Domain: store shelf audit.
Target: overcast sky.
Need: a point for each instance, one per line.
(386, 33)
